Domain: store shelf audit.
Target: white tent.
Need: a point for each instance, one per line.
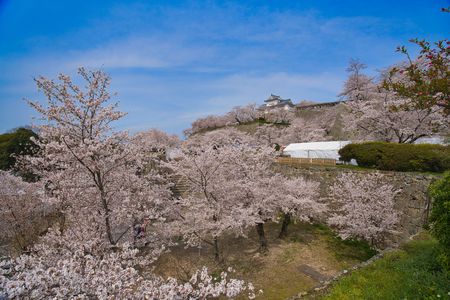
(315, 149)
(440, 140)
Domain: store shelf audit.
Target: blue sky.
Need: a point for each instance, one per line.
(174, 61)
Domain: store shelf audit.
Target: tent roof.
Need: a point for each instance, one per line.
(332, 145)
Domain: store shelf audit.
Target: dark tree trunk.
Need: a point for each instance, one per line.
(62, 223)
(284, 225)
(262, 237)
(107, 219)
(106, 210)
(216, 249)
(18, 233)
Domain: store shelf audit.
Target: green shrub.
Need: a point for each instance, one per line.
(440, 217)
(399, 157)
(347, 152)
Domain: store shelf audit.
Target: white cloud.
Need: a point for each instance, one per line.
(188, 64)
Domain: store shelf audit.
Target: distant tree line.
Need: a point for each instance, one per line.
(14, 143)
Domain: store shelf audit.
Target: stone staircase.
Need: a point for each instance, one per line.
(181, 186)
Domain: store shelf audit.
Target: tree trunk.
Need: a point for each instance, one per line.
(18, 232)
(107, 221)
(216, 249)
(262, 237)
(99, 182)
(62, 223)
(284, 225)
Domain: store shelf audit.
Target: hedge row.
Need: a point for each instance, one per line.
(398, 157)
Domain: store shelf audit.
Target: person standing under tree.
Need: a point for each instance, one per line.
(139, 229)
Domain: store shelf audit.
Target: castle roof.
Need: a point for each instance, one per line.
(275, 98)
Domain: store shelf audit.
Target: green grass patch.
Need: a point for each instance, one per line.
(357, 250)
(351, 249)
(411, 272)
(343, 250)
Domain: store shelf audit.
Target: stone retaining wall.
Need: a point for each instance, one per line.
(412, 202)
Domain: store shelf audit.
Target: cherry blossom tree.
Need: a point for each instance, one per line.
(155, 146)
(93, 172)
(21, 210)
(235, 187)
(155, 140)
(315, 126)
(270, 135)
(367, 207)
(238, 115)
(356, 80)
(245, 114)
(256, 185)
(61, 267)
(260, 193)
(220, 137)
(210, 208)
(308, 130)
(299, 200)
(95, 176)
(279, 116)
(380, 114)
(266, 194)
(209, 123)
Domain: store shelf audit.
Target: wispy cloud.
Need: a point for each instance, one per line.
(173, 106)
(172, 64)
(218, 38)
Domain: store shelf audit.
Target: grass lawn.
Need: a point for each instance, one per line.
(411, 272)
(308, 255)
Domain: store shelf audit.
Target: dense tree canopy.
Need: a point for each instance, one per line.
(425, 80)
(14, 143)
